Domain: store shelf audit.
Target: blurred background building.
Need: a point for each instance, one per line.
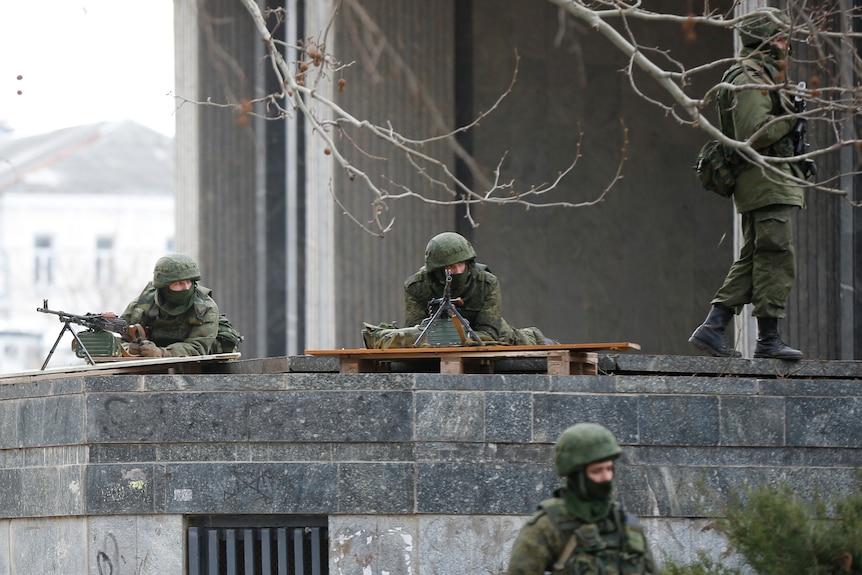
(85, 212)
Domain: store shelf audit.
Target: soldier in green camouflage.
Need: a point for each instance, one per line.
(179, 316)
(472, 282)
(582, 530)
(765, 271)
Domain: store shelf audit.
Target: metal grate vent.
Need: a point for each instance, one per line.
(257, 551)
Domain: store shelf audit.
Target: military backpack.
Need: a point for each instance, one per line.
(717, 165)
(716, 168)
(228, 338)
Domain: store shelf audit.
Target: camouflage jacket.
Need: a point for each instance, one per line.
(615, 545)
(191, 333)
(482, 306)
(762, 117)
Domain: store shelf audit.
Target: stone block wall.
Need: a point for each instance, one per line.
(415, 473)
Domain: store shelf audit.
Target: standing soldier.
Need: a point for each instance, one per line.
(582, 530)
(761, 114)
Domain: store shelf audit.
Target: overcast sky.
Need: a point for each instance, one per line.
(85, 61)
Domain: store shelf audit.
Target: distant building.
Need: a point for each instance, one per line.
(84, 214)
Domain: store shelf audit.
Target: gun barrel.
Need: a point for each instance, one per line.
(62, 314)
(93, 321)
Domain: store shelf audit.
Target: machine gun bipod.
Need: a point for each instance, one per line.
(96, 323)
(446, 311)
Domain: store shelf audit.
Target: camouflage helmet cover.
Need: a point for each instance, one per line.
(173, 268)
(762, 25)
(446, 249)
(582, 444)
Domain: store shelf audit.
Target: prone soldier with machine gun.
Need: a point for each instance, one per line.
(98, 340)
(473, 318)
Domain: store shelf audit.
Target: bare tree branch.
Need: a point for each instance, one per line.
(832, 93)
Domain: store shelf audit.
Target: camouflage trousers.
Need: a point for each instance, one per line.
(766, 269)
(387, 336)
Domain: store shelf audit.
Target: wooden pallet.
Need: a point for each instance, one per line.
(562, 359)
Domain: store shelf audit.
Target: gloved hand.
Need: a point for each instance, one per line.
(149, 349)
(135, 332)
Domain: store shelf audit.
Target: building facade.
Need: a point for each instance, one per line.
(641, 265)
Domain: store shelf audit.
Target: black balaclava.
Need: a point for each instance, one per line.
(175, 302)
(586, 499)
(458, 280)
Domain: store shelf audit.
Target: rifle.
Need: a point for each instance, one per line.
(94, 322)
(808, 167)
(446, 310)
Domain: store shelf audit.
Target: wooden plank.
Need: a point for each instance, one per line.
(122, 365)
(451, 365)
(461, 360)
(511, 350)
(562, 359)
(560, 364)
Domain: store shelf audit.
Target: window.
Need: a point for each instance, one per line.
(104, 259)
(44, 260)
(258, 546)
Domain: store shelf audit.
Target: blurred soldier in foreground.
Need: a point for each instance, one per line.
(582, 530)
(179, 316)
(472, 283)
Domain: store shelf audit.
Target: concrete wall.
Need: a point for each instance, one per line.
(143, 545)
(434, 472)
(378, 544)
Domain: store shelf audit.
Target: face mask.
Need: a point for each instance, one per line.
(778, 53)
(598, 491)
(460, 280)
(586, 499)
(175, 302)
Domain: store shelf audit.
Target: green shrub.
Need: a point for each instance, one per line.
(777, 532)
(705, 566)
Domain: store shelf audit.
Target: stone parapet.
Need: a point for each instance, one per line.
(415, 450)
(323, 442)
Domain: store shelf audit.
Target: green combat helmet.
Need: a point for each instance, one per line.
(762, 25)
(174, 268)
(582, 444)
(446, 249)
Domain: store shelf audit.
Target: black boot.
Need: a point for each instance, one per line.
(769, 342)
(709, 336)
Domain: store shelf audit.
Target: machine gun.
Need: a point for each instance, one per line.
(808, 167)
(99, 334)
(445, 313)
